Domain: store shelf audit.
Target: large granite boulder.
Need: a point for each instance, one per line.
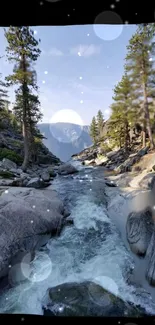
(139, 229)
(67, 169)
(87, 299)
(25, 216)
(8, 164)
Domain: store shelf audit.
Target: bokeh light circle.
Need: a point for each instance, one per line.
(108, 26)
(72, 128)
(39, 269)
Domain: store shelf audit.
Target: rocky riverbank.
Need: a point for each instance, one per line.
(131, 205)
(29, 214)
(119, 161)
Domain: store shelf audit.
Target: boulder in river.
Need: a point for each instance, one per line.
(25, 216)
(87, 299)
(139, 229)
(37, 183)
(67, 169)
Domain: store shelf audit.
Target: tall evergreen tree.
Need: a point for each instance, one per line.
(94, 130)
(124, 112)
(3, 95)
(23, 50)
(141, 48)
(100, 123)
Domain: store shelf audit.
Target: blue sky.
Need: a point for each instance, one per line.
(77, 70)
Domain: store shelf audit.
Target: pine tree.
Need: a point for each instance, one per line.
(34, 116)
(3, 96)
(23, 50)
(94, 130)
(124, 112)
(100, 123)
(140, 67)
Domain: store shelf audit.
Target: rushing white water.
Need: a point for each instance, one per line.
(92, 249)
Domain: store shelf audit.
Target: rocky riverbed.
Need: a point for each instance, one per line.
(91, 253)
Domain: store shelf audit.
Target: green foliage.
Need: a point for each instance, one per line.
(23, 50)
(16, 143)
(14, 122)
(94, 130)
(123, 113)
(140, 67)
(2, 127)
(100, 123)
(6, 174)
(3, 95)
(10, 154)
(105, 147)
(37, 140)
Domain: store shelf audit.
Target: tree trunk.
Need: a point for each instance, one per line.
(143, 139)
(147, 115)
(127, 136)
(143, 133)
(120, 142)
(146, 112)
(25, 118)
(26, 146)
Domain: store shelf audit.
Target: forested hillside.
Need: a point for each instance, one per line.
(133, 107)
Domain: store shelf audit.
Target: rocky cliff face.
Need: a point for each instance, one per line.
(11, 147)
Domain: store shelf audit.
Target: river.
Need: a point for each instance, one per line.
(91, 249)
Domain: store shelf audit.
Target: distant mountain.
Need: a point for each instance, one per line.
(65, 139)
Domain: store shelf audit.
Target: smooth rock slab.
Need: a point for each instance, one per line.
(87, 299)
(139, 229)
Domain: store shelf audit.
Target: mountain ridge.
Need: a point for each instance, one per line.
(65, 139)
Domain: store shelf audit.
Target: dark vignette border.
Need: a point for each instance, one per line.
(71, 12)
(27, 319)
(74, 12)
